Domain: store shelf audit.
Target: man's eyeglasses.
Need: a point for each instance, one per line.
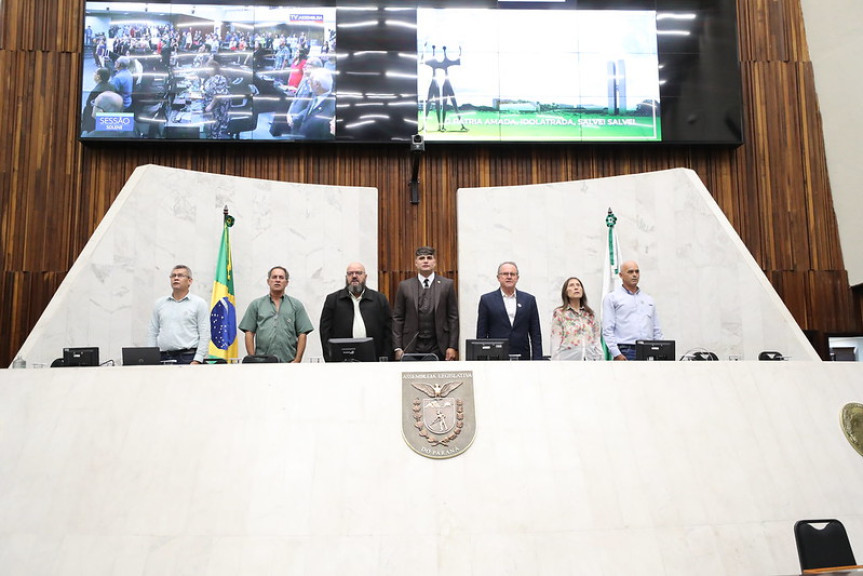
(178, 276)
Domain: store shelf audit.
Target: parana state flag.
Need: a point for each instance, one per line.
(611, 268)
(223, 311)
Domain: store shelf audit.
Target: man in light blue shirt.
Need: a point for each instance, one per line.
(124, 82)
(628, 315)
(180, 324)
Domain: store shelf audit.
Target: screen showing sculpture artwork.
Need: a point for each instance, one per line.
(594, 76)
(472, 71)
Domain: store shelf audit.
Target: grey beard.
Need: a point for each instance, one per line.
(358, 289)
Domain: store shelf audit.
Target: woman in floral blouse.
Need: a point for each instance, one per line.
(217, 101)
(575, 333)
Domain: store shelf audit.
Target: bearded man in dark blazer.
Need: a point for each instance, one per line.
(339, 320)
(425, 315)
(510, 313)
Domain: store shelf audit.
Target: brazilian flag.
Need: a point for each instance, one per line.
(223, 311)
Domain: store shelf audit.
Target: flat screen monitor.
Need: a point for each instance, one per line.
(352, 350)
(487, 349)
(643, 71)
(654, 350)
(86, 356)
(260, 359)
(419, 357)
(147, 356)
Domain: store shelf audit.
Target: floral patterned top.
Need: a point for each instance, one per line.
(214, 87)
(575, 335)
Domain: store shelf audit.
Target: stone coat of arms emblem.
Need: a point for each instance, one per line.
(851, 420)
(438, 412)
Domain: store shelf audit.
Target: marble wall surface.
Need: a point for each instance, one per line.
(709, 291)
(832, 42)
(165, 216)
(659, 469)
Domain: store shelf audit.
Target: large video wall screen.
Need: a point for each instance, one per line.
(662, 71)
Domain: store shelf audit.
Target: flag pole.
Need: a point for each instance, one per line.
(223, 311)
(610, 221)
(611, 267)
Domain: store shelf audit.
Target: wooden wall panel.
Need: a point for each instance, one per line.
(830, 297)
(775, 189)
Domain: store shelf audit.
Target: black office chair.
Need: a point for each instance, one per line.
(768, 355)
(242, 115)
(251, 359)
(149, 110)
(699, 354)
(822, 547)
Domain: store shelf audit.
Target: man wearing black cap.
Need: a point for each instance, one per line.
(425, 316)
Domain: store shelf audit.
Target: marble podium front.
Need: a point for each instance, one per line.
(661, 469)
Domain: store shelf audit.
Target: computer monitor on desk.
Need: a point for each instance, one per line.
(487, 349)
(419, 357)
(146, 356)
(654, 350)
(87, 356)
(352, 350)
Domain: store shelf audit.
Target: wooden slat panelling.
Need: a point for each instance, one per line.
(39, 174)
(793, 288)
(775, 189)
(829, 297)
(771, 30)
(45, 26)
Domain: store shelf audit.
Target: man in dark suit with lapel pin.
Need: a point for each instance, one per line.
(425, 315)
(510, 313)
(315, 122)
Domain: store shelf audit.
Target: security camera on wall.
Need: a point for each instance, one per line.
(418, 143)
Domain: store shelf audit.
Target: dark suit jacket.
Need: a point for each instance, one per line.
(337, 320)
(313, 123)
(525, 336)
(406, 314)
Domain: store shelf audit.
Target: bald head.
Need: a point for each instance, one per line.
(629, 275)
(107, 102)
